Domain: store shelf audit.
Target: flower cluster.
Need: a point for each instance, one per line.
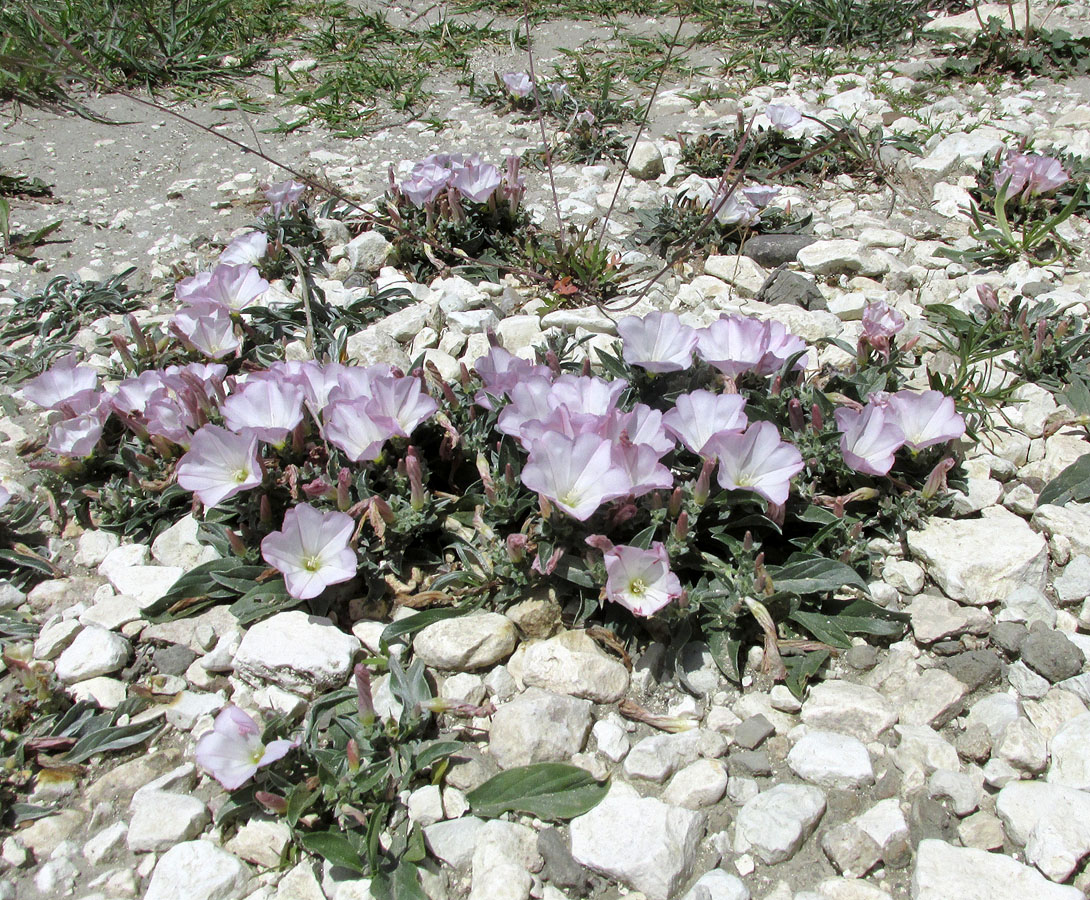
(1030, 174)
(460, 177)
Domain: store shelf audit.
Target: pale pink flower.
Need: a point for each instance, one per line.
(192, 286)
(78, 436)
(782, 345)
(61, 383)
(658, 342)
(641, 464)
(869, 438)
(518, 84)
(171, 415)
(232, 751)
(208, 327)
(735, 209)
(235, 287)
(760, 195)
(880, 323)
(640, 580)
(586, 394)
(500, 371)
(578, 475)
(782, 116)
(700, 415)
(219, 465)
(266, 408)
(641, 425)
(5, 496)
(424, 184)
(733, 344)
(133, 393)
(246, 250)
(402, 399)
(283, 196)
(926, 419)
(529, 402)
(349, 425)
(1030, 173)
(311, 550)
(756, 460)
(477, 182)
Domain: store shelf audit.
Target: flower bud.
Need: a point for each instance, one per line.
(516, 547)
(936, 480)
(416, 479)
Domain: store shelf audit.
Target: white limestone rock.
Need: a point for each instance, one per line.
(1070, 761)
(300, 653)
(642, 842)
(977, 560)
(848, 708)
(831, 760)
(466, 642)
(197, 870)
(774, 824)
(95, 651)
(572, 663)
(160, 820)
(539, 726)
(943, 872)
(1051, 821)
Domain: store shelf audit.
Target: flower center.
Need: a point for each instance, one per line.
(241, 475)
(637, 587)
(257, 754)
(312, 563)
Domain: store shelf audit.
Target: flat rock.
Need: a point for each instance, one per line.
(466, 642)
(1051, 821)
(95, 651)
(178, 546)
(718, 884)
(453, 840)
(772, 250)
(642, 842)
(935, 618)
(774, 824)
(572, 663)
(145, 584)
(1072, 521)
(944, 872)
(300, 653)
(1070, 760)
(699, 784)
(539, 726)
(848, 708)
(159, 820)
(977, 560)
(197, 870)
(831, 760)
(836, 257)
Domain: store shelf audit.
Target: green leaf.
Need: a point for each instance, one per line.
(726, 652)
(800, 669)
(263, 600)
(115, 738)
(196, 584)
(335, 847)
(26, 812)
(1073, 483)
(434, 751)
(412, 624)
(814, 575)
(404, 884)
(546, 790)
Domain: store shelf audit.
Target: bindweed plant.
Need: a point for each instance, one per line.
(1022, 219)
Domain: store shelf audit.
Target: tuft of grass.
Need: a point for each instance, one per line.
(185, 44)
(843, 22)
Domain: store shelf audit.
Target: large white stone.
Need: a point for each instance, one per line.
(178, 546)
(718, 884)
(466, 642)
(831, 760)
(944, 872)
(774, 824)
(642, 842)
(159, 820)
(571, 663)
(145, 583)
(95, 651)
(1070, 757)
(539, 726)
(977, 560)
(1051, 821)
(1072, 521)
(848, 708)
(197, 870)
(301, 653)
(744, 275)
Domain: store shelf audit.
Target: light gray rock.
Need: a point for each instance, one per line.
(123, 556)
(932, 699)
(197, 870)
(1027, 604)
(659, 756)
(943, 872)
(995, 712)
(851, 850)
(744, 275)
(300, 653)
(367, 252)
(55, 637)
(642, 842)
(934, 618)
(645, 162)
(178, 546)
(774, 824)
(504, 855)
(261, 841)
(372, 346)
(923, 749)
(94, 546)
(300, 883)
(105, 842)
(834, 257)
(453, 840)
(145, 584)
(1026, 682)
(1073, 584)
(109, 693)
(112, 612)
(960, 788)
(539, 726)
(1023, 746)
(159, 820)
(977, 560)
(572, 663)
(885, 823)
(1051, 821)
(95, 651)
(848, 708)
(831, 760)
(1070, 761)
(612, 740)
(699, 784)
(1072, 521)
(466, 642)
(718, 884)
